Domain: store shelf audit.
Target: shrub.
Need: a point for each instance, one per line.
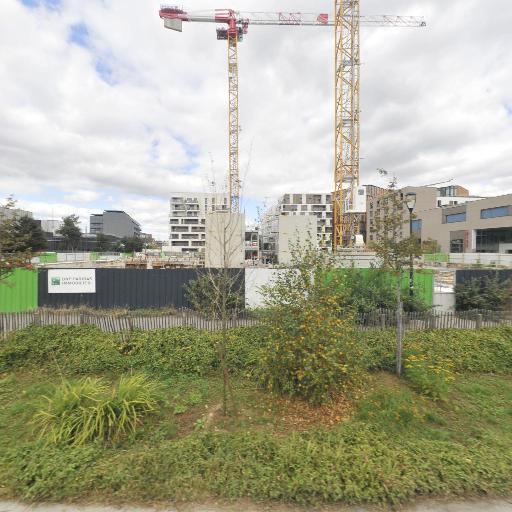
(483, 350)
(430, 378)
(71, 349)
(486, 293)
(311, 347)
(87, 410)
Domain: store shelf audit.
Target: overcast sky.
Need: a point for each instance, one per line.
(102, 108)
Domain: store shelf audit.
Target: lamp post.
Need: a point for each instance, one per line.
(410, 201)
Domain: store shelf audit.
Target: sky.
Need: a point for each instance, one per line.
(103, 108)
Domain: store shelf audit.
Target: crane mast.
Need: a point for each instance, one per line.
(346, 120)
(233, 125)
(347, 22)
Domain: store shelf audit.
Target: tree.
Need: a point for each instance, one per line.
(102, 243)
(217, 292)
(395, 250)
(10, 258)
(70, 231)
(486, 293)
(28, 235)
(131, 244)
(430, 246)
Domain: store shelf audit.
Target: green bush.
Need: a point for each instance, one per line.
(483, 350)
(88, 350)
(486, 293)
(179, 350)
(88, 410)
(81, 349)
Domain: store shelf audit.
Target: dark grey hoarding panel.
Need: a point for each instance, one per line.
(129, 288)
(463, 276)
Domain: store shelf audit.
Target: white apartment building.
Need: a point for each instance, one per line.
(187, 219)
(317, 205)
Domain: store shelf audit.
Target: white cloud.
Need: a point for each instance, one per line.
(434, 103)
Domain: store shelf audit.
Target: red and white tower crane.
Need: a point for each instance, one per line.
(346, 23)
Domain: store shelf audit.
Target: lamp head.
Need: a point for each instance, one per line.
(410, 200)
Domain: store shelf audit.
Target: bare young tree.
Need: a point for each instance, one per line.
(394, 250)
(217, 293)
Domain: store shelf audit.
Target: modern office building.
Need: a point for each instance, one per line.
(457, 221)
(187, 219)
(115, 223)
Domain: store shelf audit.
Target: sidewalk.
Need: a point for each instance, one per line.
(430, 506)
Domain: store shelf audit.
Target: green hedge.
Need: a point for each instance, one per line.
(87, 350)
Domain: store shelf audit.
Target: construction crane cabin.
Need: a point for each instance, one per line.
(347, 22)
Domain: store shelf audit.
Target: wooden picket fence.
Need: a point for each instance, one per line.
(376, 320)
(10, 322)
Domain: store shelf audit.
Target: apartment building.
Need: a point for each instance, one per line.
(318, 206)
(115, 223)
(311, 205)
(187, 219)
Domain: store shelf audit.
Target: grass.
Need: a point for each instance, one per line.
(386, 443)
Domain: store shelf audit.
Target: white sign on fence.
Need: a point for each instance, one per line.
(72, 280)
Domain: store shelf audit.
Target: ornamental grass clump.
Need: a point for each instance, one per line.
(90, 410)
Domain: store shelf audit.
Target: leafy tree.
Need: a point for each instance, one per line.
(28, 235)
(430, 246)
(394, 250)
(103, 243)
(10, 257)
(486, 293)
(312, 351)
(131, 244)
(70, 231)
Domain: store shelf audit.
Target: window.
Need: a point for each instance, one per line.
(492, 213)
(456, 217)
(416, 225)
(361, 191)
(457, 245)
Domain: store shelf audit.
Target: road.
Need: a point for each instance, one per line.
(427, 506)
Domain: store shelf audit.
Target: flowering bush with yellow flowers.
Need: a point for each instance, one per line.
(312, 350)
(428, 377)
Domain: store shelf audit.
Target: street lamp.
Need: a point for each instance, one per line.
(410, 201)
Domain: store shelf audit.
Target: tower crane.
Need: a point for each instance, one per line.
(347, 21)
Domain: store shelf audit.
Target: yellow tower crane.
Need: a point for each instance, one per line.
(347, 22)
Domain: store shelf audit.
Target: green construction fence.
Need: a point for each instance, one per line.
(18, 292)
(423, 281)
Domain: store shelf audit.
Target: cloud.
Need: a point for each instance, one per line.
(98, 96)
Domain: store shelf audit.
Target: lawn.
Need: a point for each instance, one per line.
(387, 441)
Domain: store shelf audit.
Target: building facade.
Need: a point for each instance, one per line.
(457, 221)
(187, 219)
(115, 223)
(9, 213)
